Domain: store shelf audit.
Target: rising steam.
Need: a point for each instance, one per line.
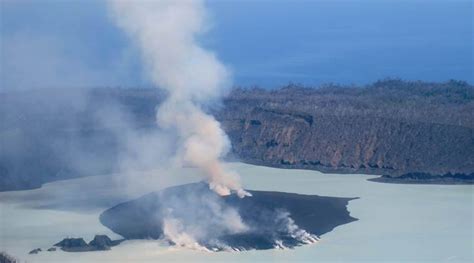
(166, 32)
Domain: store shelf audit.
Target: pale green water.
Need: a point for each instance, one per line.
(417, 223)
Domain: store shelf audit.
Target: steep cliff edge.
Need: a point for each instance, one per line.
(415, 131)
(392, 127)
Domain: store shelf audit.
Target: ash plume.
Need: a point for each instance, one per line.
(166, 33)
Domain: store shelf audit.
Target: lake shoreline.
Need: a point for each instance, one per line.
(431, 181)
(383, 176)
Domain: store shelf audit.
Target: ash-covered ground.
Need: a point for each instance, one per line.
(194, 216)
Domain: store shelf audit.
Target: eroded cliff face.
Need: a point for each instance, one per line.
(381, 146)
(422, 130)
(408, 129)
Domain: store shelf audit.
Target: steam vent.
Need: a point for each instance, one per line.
(194, 216)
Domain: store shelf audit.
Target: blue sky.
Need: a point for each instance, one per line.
(267, 43)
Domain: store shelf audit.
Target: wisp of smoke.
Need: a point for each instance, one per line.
(166, 32)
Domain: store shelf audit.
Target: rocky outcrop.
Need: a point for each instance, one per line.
(100, 242)
(73, 245)
(35, 251)
(103, 242)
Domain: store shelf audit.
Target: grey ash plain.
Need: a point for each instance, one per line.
(143, 218)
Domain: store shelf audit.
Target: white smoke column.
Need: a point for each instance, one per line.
(166, 33)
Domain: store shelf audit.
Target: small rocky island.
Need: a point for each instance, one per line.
(266, 220)
(99, 243)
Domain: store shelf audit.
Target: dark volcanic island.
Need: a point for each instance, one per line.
(194, 212)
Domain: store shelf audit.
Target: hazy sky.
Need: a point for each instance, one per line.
(269, 43)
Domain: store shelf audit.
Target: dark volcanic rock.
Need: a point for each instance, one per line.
(35, 251)
(274, 219)
(103, 242)
(100, 242)
(73, 245)
(52, 249)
